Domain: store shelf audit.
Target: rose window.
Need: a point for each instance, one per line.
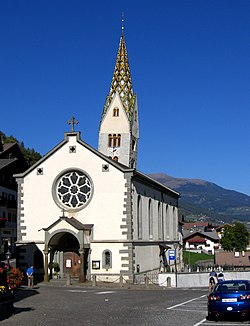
(74, 189)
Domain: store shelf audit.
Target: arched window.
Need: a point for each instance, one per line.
(114, 140)
(106, 259)
(139, 218)
(133, 145)
(167, 230)
(118, 140)
(160, 224)
(110, 138)
(150, 219)
(115, 112)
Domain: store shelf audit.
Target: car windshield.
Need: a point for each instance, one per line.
(232, 286)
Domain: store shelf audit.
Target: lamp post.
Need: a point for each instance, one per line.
(175, 264)
(8, 256)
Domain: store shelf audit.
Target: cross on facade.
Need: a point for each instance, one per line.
(72, 122)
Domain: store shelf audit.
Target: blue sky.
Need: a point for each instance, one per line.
(189, 61)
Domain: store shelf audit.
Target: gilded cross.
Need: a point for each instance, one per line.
(72, 122)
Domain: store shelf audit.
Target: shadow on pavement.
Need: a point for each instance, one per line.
(20, 310)
(22, 293)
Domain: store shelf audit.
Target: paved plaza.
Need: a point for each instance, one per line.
(58, 304)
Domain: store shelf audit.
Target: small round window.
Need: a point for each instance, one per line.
(73, 190)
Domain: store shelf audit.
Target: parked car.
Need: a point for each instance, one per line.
(230, 299)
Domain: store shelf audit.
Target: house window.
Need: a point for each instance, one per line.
(116, 112)
(106, 259)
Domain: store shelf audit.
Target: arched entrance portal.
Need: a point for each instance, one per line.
(67, 247)
(64, 253)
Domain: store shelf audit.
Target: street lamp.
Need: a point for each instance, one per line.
(8, 256)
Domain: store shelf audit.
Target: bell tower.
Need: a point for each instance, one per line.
(119, 127)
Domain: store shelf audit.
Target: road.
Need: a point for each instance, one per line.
(72, 305)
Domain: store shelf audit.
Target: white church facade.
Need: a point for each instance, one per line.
(91, 211)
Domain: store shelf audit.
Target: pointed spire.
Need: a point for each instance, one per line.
(121, 81)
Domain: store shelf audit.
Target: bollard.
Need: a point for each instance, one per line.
(68, 280)
(94, 280)
(121, 281)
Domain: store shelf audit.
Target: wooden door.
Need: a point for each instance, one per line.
(71, 264)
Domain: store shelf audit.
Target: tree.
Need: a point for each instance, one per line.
(235, 237)
(241, 236)
(227, 241)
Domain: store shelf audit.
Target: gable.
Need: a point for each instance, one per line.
(113, 123)
(71, 142)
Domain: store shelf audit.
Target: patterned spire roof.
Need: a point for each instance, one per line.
(121, 81)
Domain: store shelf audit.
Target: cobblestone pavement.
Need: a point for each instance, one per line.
(57, 304)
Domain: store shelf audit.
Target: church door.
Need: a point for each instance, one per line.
(71, 264)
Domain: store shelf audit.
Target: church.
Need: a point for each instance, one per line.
(85, 212)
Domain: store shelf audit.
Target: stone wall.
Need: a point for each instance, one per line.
(198, 279)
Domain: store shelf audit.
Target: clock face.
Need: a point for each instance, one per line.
(73, 190)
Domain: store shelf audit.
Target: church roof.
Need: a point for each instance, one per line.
(121, 81)
(146, 179)
(72, 221)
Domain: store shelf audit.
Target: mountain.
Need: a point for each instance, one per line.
(205, 200)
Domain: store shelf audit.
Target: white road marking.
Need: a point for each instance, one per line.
(200, 322)
(84, 291)
(181, 304)
(199, 311)
(220, 323)
(81, 291)
(106, 292)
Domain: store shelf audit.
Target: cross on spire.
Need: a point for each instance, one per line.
(122, 23)
(72, 122)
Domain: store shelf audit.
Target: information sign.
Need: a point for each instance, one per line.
(171, 254)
